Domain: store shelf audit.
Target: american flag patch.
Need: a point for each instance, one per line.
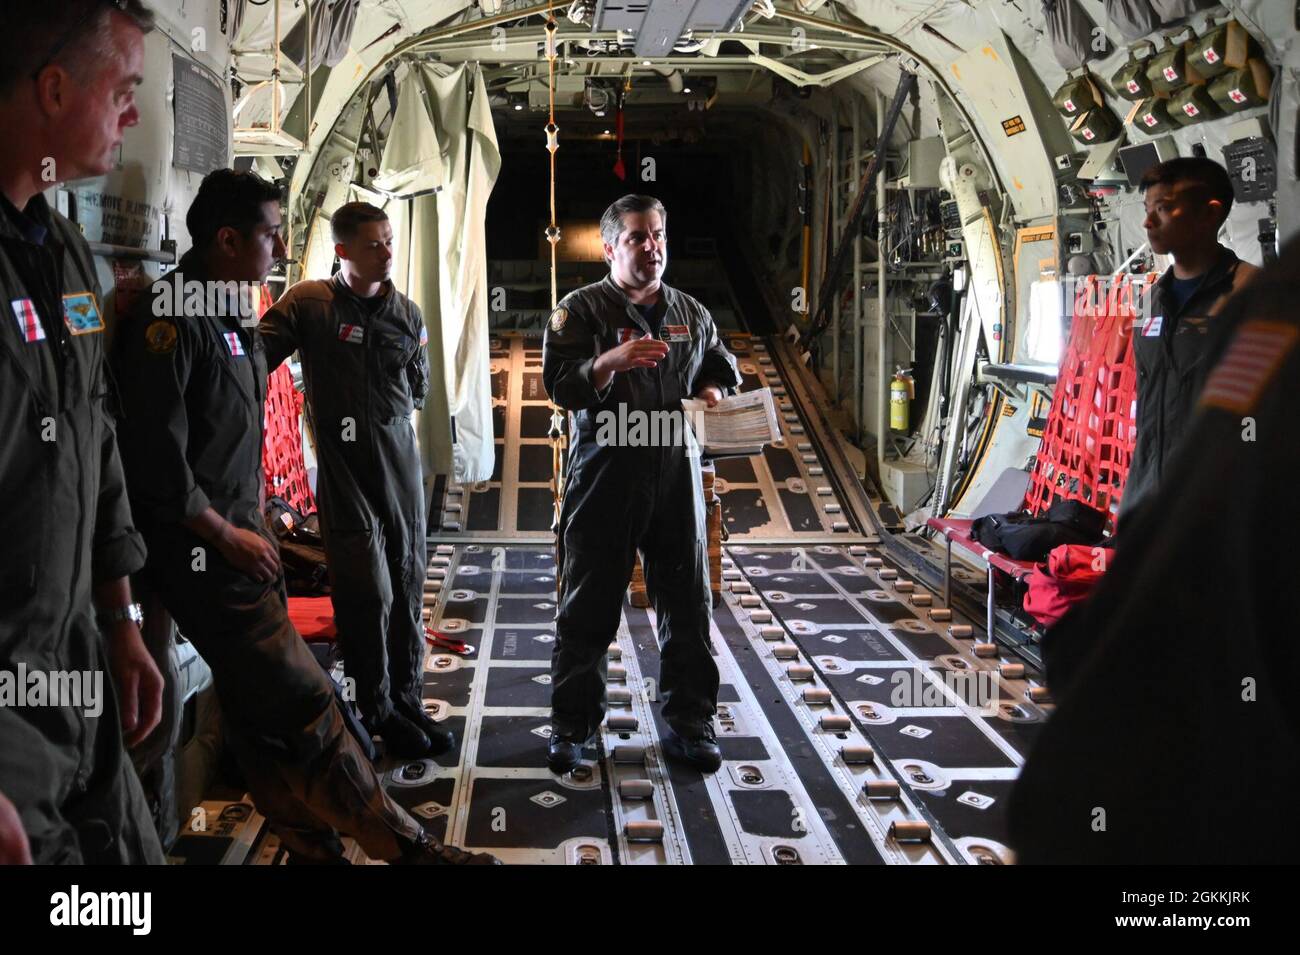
(29, 323)
(626, 335)
(352, 334)
(1249, 364)
(233, 343)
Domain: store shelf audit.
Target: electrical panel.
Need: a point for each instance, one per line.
(950, 215)
(923, 158)
(1252, 166)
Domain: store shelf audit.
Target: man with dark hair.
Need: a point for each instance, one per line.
(362, 345)
(193, 388)
(232, 200)
(1187, 202)
(631, 340)
(68, 74)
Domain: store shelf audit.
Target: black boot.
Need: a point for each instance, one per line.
(563, 754)
(402, 738)
(699, 749)
(441, 739)
(425, 850)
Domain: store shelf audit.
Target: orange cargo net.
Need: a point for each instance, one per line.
(282, 460)
(283, 467)
(1091, 430)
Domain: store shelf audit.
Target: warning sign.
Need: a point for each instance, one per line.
(1013, 126)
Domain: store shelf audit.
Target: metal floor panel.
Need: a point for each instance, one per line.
(847, 732)
(785, 793)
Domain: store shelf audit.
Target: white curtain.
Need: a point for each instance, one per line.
(439, 165)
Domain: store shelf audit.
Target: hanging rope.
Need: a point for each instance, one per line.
(552, 140)
(557, 433)
(619, 169)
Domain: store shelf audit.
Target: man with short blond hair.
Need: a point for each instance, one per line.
(366, 369)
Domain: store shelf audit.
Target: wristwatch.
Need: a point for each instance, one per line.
(132, 612)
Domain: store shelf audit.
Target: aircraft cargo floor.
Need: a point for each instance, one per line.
(858, 723)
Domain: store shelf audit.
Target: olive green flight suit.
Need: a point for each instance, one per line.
(65, 526)
(366, 369)
(192, 395)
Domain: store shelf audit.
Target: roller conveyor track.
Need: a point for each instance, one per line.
(797, 549)
(821, 633)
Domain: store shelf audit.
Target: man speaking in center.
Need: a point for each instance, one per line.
(631, 340)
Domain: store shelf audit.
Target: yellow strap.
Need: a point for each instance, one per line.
(552, 145)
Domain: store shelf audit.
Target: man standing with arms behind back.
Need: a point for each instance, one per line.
(366, 370)
(68, 74)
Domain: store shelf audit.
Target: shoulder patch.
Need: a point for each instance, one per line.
(558, 318)
(1249, 364)
(160, 337)
(81, 313)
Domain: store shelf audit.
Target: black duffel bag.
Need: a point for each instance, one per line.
(1025, 537)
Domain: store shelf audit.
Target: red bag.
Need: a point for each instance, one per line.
(313, 618)
(1069, 575)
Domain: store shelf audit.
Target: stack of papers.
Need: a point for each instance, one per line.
(736, 426)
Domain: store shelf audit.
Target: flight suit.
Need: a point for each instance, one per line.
(191, 432)
(620, 499)
(65, 525)
(1176, 735)
(1169, 346)
(366, 369)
